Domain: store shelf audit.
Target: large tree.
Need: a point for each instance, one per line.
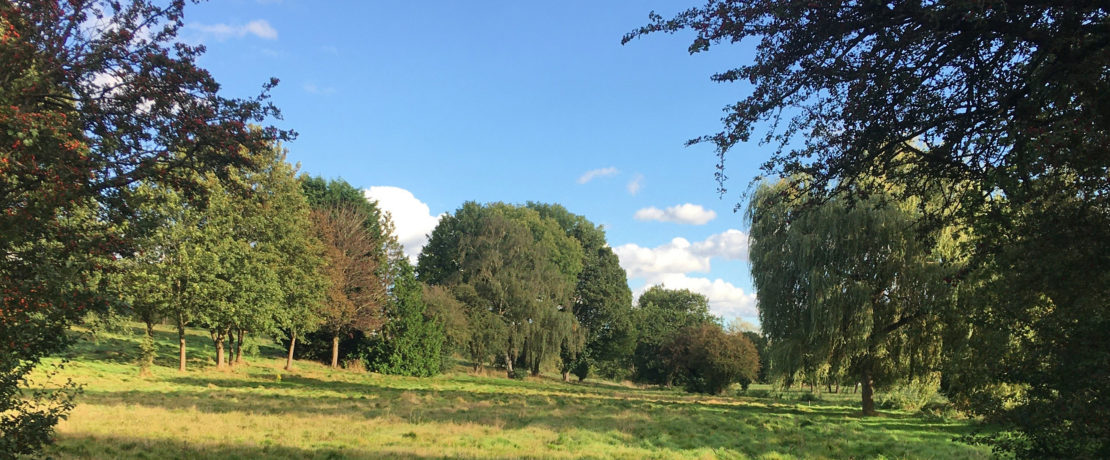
(1005, 99)
(94, 96)
(846, 288)
(519, 271)
(367, 226)
(602, 300)
(660, 314)
(357, 294)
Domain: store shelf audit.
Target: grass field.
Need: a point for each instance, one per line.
(259, 411)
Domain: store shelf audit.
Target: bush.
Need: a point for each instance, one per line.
(411, 342)
(755, 393)
(711, 360)
(910, 396)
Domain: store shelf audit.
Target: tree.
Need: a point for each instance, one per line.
(357, 294)
(660, 315)
(844, 287)
(86, 111)
(519, 267)
(281, 233)
(602, 300)
(449, 311)
(411, 341)
(710, 359)
(751, 332)
(1001, 99)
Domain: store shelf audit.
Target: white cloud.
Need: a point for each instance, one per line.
(670, 264)
(681, 256)
(674, 257)
(635, 185)
(595, 173)
(258, 27)
(693, 214)
(731, 245)
(725, 299)
(412, 219)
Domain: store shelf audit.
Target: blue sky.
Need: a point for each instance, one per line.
(431, 104)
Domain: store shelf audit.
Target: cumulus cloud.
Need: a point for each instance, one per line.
(259, 28)
(692, 214)
(635, 185)
(669, 264)
(682, 256)
(731, 245)
(725, 299)
(595, 173)
(674, 257)
(412, 219)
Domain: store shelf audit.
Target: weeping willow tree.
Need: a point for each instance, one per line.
(848, 288)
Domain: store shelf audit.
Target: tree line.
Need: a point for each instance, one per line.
(314, 265)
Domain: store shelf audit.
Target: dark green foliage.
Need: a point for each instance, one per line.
(411, 341)
(69, 150)
(447, 310)
(760, 343)
(710, 360)
(602, 300)
(1000, 106)
(661, 314)
(515, 270)
(329, 194)
(1034, 331)
(847, 290)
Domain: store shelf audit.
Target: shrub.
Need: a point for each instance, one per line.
(710, 360)
(912, 395)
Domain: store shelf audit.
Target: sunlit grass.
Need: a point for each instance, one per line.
(260, 411)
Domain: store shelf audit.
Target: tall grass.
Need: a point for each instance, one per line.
(259, 411)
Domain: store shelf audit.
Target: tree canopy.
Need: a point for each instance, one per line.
(95, 96)
(846, 289)
(999, 107)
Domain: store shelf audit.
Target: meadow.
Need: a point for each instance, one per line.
(258, 410)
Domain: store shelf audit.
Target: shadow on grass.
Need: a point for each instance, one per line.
(637, 421)
(69, 446)
(124, 348)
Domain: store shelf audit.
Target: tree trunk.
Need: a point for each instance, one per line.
(220, 353)
(292, 344)
(866, 390)
(148, 349)
(239, 349)
(335, 351)
(566, 376)
(508, 365)
(218, 337)
(230, 348)
(181, 346)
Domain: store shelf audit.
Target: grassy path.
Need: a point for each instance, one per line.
(260, 411)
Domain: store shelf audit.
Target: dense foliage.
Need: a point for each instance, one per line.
(411, 341)
(1000, 106)
(660, 316)
(847, 290)
(94, 97)
(710, 359)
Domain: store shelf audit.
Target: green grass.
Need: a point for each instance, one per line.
(259, 411)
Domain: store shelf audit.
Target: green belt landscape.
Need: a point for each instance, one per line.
(258, 410)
